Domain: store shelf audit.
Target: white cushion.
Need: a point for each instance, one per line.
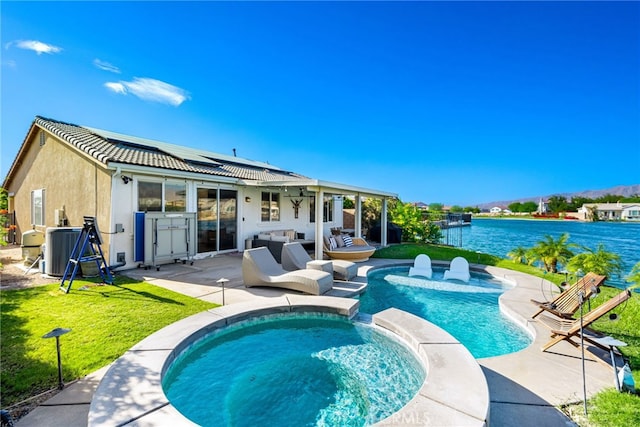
(264, 236)
(280, 239)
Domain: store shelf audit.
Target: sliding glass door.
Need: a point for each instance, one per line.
(228, 221)
(217, 220)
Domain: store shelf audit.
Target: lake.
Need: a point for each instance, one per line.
(500, 236)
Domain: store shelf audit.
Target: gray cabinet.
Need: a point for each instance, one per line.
(163, 237)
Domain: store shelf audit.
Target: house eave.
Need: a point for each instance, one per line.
(316, 185)
(18, 159)
(172, 173)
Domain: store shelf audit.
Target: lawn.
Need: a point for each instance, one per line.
(104, 320)
(608, 408)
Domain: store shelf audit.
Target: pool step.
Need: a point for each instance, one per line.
(346, 289)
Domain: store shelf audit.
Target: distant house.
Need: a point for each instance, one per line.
(64, 172)
(610, 211)
(495, 210)
(543, 207)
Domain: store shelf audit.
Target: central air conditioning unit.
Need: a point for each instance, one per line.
(59, 245)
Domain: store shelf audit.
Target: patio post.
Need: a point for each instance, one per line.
(383, 223)
(358, 217)
(319, 223)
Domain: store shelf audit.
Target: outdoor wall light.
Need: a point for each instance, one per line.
(126, 179)
(247, 199)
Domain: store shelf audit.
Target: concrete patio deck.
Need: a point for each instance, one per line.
(525, 387)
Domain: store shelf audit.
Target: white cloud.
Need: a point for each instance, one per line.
(105, 66)
(116, 87)
(151, 90)
(36, 46)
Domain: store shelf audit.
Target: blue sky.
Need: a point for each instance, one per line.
(448, 102)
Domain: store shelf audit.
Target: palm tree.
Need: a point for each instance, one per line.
(634, 276)
(598, 261)
(518, 255)
(551, 252)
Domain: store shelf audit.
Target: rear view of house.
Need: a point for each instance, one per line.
(64, 172)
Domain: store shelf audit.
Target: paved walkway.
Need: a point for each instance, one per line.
(525, 387)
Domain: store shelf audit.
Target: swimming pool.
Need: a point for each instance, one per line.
(131, 390)
(296, 369)
(468, 311)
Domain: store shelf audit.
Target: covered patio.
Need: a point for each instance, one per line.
(321, 189)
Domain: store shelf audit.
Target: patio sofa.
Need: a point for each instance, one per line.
(357, 250)
(274, 240)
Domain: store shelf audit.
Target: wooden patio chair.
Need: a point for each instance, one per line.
(565, 329)
(567, 302)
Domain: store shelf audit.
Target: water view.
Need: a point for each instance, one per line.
(500, 236)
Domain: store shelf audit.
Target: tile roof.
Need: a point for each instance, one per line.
(108, 147)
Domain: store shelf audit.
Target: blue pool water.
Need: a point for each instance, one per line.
(293, 370)
(468, 311)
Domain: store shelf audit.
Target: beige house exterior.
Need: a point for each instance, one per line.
(64, 172)
(610, 211)
(73, 184)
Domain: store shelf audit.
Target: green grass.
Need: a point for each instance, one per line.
(105, 322)
(610, 408)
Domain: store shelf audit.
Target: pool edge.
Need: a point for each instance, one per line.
(131, 390)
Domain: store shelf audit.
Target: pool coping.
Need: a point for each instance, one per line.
(131, 390)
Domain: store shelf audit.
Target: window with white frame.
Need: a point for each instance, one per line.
(270, 207)
(175, 197)
(162, 197)
(37, 207)
(327, 209)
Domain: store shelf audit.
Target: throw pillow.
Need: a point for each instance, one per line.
(263, 236)
(332, 243)
(347, 241)
(291, 234)
(339, 241)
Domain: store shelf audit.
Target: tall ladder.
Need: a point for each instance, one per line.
(87, 248)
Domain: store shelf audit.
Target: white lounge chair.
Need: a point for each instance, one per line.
(259, 268)
(421, 266)
(458, 269)
(295, 257)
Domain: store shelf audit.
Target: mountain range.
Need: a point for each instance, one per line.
(620, 190)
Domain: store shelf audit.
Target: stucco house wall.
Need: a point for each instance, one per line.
(72, 183)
